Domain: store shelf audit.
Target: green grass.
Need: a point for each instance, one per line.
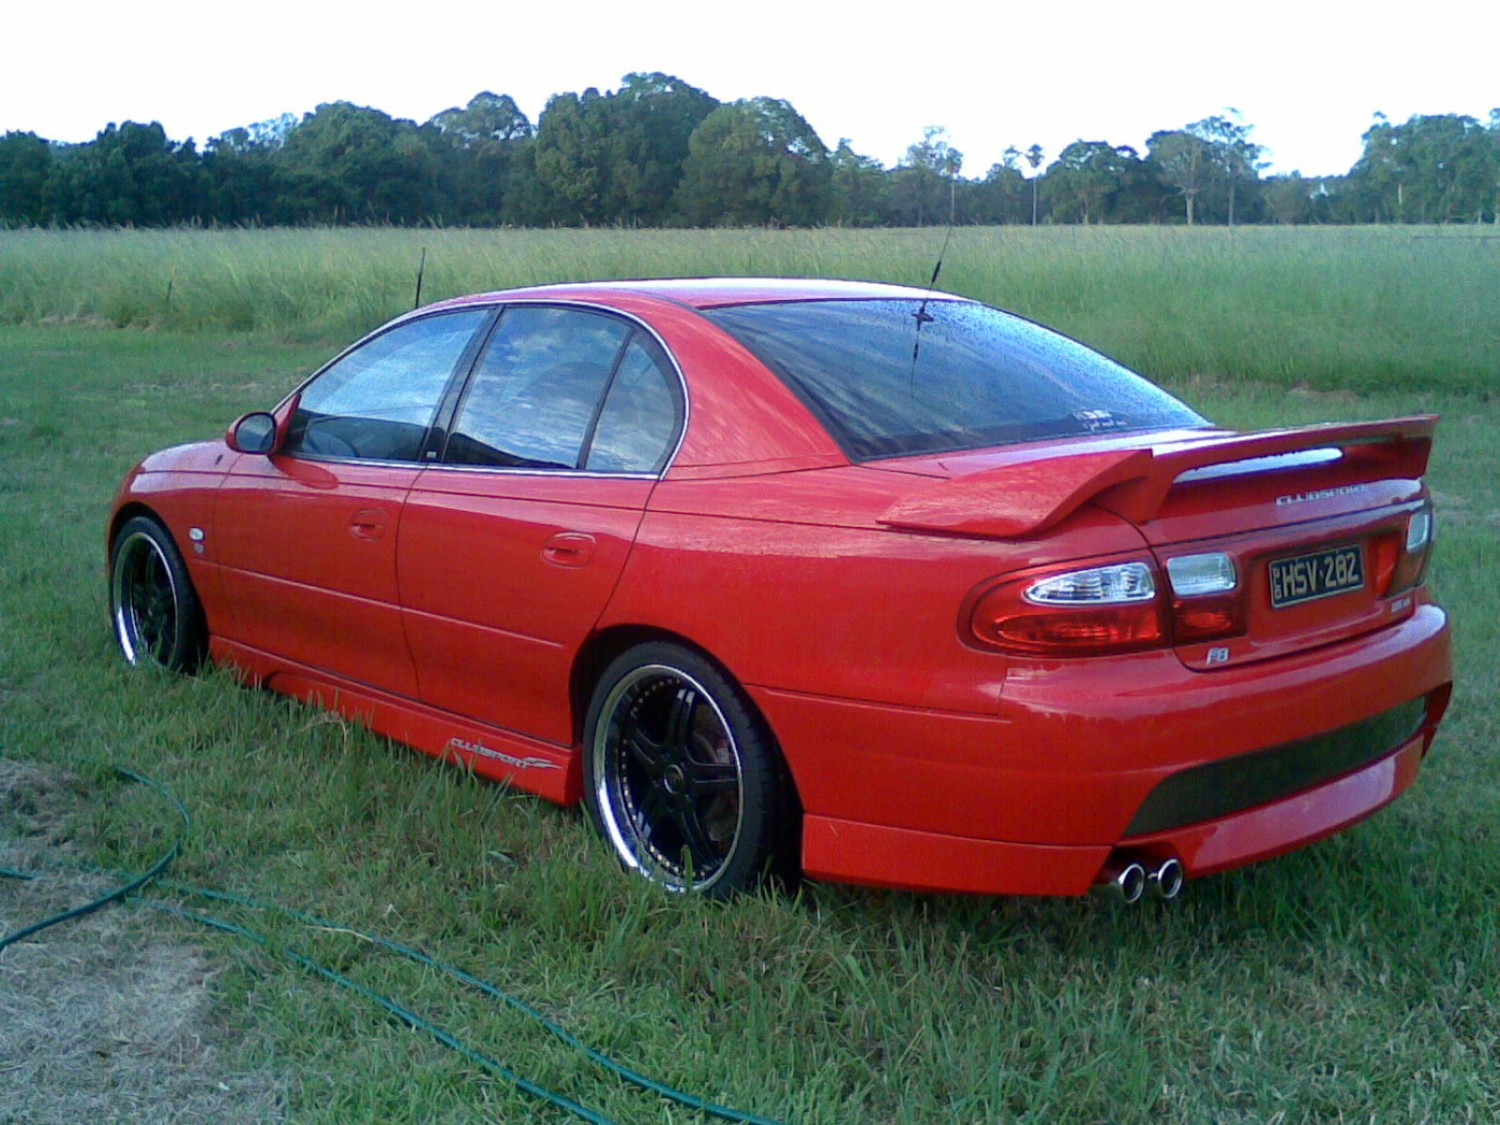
(1364, 308)
(1358, 980)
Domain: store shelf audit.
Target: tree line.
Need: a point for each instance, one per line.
(660, 152)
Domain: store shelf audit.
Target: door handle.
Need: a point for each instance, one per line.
(368, 523)
(569, 548)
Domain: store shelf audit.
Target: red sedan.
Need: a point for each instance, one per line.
(871, 583)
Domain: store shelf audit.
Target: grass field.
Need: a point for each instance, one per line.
(1359, 308)
(1356, 981)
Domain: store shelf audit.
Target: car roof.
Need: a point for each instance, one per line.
(707, 292)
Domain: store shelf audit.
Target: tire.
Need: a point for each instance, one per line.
(682, 777)
(155, 610)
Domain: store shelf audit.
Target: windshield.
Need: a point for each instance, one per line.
(896, 377)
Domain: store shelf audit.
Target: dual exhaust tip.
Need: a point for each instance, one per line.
(1130, 882)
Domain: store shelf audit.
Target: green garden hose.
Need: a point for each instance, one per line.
(136, 884)
(119, 893)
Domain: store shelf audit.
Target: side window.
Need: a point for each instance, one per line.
(377, 402)
(641, 416)
(533, 398)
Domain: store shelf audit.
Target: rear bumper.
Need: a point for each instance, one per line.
(1081, 758)
(846, 851)
(1291, 822)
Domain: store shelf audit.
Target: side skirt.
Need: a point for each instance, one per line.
(543, 768)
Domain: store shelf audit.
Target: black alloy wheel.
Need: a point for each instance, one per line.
(155, 610)
(681, 775)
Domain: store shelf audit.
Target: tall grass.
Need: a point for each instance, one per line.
(1359, 308)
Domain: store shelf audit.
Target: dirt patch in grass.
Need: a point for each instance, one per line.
(106, 1018)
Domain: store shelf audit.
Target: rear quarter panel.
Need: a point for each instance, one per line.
(790, 583)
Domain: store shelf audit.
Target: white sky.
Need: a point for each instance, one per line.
(1307, 75)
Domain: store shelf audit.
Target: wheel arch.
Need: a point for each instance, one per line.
(601, 649)
(604, 645)
(127, 512)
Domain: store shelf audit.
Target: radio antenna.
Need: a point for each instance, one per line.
(422, 269)
(921, 315)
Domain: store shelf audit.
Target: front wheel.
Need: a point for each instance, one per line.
(681, 776)
(155, 610)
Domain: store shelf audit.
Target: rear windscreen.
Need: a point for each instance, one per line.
(896, 377)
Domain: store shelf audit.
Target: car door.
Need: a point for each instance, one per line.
(511, 545)
(306, 538)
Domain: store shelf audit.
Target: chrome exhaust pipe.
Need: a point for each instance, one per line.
(1125, 885)
(1165, 882)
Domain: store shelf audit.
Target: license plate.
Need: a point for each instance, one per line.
(1318, 574)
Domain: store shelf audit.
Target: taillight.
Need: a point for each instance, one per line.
(1207, 603)
(1073, 612)
(1121, 607)
(1416, 546)
(1119, 584)
(1385, 555)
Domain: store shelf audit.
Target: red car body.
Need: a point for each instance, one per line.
(470, 613)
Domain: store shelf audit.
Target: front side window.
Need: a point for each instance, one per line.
(896, 377)
(376, 402)
(564, 388)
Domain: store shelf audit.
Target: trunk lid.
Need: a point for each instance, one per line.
(1316, 533)
(1313, 519)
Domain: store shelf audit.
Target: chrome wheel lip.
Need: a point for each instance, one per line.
(134, 553)
(612, 795)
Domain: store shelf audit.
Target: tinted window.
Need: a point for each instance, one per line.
(534, 396)
(377, 401)
(895, 377)
(641, 414)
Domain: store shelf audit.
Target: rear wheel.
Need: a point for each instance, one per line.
(155, 610)
(681, 776)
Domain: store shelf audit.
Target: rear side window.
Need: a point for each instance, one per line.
(533, 398)
(567, 388)
(896, 377)
(641, 416)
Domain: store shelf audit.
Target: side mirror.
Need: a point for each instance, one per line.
(254, 433)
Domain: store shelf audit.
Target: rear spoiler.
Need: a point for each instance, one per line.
(1028, 497)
